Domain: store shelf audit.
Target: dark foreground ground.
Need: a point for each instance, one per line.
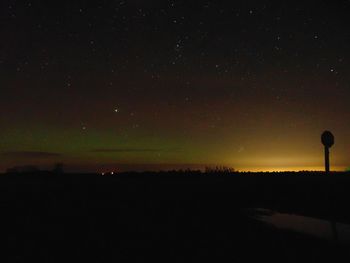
(171, 217)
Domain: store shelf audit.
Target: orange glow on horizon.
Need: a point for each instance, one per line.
(292, 169)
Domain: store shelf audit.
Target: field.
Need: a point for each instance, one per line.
(173, 217)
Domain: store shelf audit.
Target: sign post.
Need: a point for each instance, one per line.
(327, 139)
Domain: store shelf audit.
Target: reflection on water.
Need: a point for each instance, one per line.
(308, 225)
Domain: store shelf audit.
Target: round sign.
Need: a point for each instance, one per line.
(327, 139)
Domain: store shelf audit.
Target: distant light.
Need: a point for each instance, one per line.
(116, 110)
(112, 173)
(102, 173)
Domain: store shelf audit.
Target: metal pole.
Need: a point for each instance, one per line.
(326, 157)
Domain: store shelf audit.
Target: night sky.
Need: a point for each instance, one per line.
(135, 85)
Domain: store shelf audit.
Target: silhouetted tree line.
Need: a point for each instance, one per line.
(220, 169)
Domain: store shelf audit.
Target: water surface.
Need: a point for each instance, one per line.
(308, 225)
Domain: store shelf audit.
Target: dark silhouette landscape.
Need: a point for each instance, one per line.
(169, 216)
